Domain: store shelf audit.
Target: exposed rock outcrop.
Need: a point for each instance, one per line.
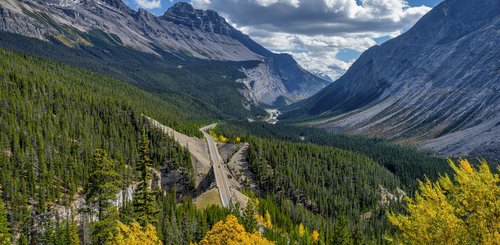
(437, 85)
(181, 30)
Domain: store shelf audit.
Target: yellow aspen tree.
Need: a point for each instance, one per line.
(231, 232)
(135, 234)
(269, 223)
(260, 219)
(237, 140)
(462, 210)
(302, 230)
(223, 139)
(315, 235)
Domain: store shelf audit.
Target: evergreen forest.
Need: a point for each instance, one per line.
(80, 163)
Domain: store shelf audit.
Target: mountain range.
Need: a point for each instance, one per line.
(104, 137)
(273, 80)
(437, 85)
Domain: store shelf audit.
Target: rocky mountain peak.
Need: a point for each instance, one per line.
(182, 7)
(435, 85)
(114, 3)
(451, 20)
(145, 15)
(185, 14)
(117, 5)
(62, 3)
(182, 29)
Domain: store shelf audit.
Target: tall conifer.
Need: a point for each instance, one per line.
(144, 197)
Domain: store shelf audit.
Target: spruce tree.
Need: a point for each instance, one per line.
(101, 191)
(357, 235)
(5, 236)
(103, 184)
(70, 234)
(250, 223)
(343, 232)
(144, 198)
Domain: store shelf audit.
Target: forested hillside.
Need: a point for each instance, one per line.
(71, 139)
(201, 89)
(407, 163)
(123, 127)
(331, 182)
(53, 119)
(338, 184)
(327, 180)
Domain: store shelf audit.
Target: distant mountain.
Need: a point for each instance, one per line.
(323, 76)
(275, 80)
(437, 85)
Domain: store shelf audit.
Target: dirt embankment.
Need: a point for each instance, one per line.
(235, 167)
(197, 147)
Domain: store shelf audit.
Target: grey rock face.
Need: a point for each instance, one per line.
(177, 180)
(209, 21)
(277, 82)
(181, 30)
(437, 85)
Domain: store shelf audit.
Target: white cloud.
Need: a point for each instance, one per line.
(201, 4)
(315, 31)
(322, 62)
(315, 53)
(265, 3)
(148, 4)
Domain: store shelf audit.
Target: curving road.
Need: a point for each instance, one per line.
(217, 164)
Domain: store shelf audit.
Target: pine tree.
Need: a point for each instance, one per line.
(144, 198)
(103, 184)
(5, 236)
(250, 223)
(100, 193)
(357, 235)
(127, 212)
(342, 234)
(70, 234)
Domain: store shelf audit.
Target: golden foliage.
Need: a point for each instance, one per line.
(223, 139)
(135, 234)
(231, 232)
(260, 219)
(465, 210)
(269, 223)
(219, 138)
(315, 236)
(266, 222)
(302, 230)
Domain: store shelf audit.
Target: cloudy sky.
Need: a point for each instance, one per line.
(323, 35)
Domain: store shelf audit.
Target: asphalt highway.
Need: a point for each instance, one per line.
(217, 164)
